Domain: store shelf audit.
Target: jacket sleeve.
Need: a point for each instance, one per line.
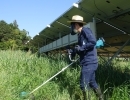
(91, 41)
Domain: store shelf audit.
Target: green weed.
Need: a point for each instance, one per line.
(20, 71)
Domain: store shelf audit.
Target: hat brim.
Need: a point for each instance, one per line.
(76, 21)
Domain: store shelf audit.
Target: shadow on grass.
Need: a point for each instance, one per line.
(112, 76)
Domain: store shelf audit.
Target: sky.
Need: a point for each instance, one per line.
(33, 15)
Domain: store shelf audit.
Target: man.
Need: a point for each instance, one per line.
(88, 55)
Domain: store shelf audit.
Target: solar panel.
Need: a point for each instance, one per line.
(112, 22)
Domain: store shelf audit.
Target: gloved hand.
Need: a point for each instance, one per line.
(72, 29)
(77, 48)
(70, 51)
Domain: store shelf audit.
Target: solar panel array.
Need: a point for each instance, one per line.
(112, 23)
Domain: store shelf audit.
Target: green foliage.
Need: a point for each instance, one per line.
(20, 71)
(11, 37)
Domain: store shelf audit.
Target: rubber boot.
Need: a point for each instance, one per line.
(85, 96)
(32, 97)
(99, 94)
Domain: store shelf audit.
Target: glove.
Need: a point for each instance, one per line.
(72, 29)
(77, 48)
(70, 51)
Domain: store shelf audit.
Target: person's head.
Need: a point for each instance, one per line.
(76, 24)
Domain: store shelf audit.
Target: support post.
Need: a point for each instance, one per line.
(102, 58)
(108, 55)
(61, 44)
(46, 41)
(94, 27)
(118, 52)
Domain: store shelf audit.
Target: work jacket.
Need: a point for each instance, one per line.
(87, 51)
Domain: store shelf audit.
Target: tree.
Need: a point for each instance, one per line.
(15, 24)
(11, 37)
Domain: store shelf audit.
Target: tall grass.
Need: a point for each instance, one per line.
(20, 71)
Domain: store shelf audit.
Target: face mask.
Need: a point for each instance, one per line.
(73, 30)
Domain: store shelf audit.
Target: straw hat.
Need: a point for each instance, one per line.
(77, 18)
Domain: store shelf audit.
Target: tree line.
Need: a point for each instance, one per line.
(11, 37)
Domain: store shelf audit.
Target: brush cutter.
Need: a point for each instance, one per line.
(31, 96)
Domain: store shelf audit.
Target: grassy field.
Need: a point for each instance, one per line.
(20, 71)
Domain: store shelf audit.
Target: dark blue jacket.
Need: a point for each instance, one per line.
(87, 51)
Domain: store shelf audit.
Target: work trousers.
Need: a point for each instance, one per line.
(87, 77)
